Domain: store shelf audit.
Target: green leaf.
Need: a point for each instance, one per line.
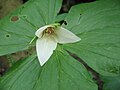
(98, 25)
(22, 76)
(61, 72)
(61, 17)
(43, 11)
(111, 82)
(18, 28)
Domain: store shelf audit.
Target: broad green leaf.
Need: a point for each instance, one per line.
(111, 82)
(99, 28)
(61, 17)
(22, 76)
(18, 28)
(61, 72)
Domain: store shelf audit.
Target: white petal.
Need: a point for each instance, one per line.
(44, 48)
(65, 36)
(38, 33)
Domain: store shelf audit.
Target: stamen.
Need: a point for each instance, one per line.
(49, 30)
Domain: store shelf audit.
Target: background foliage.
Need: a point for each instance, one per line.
(96, 23)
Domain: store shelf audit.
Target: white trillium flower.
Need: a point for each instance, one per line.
(48, 37)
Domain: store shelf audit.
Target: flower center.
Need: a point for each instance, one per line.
(49, 30)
